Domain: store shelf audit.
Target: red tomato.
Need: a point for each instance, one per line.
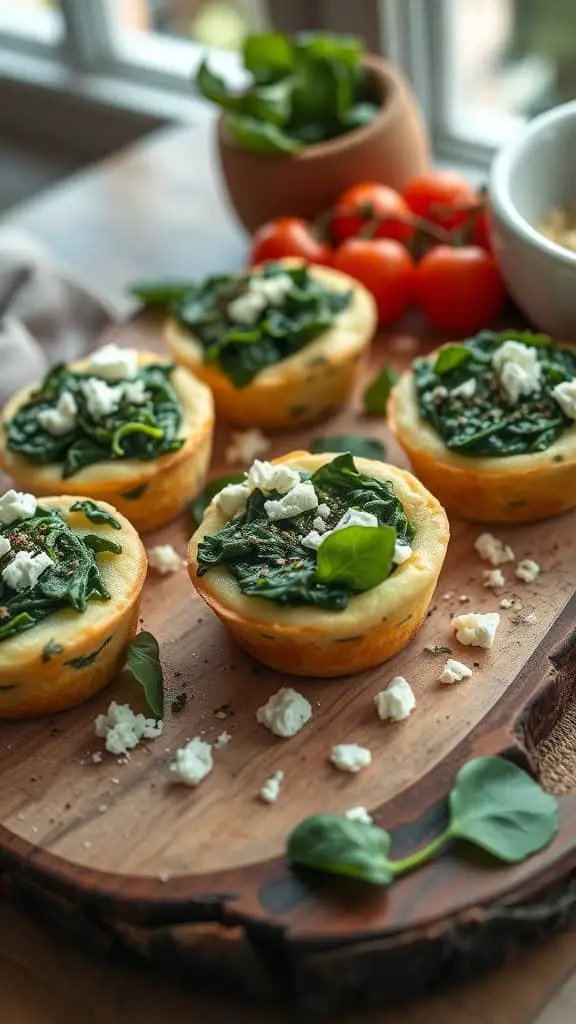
(371, 200)
(288, 236)
(433, 194)
(384, 267)
(460, 289)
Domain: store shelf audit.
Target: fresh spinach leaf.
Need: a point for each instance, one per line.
(330, 843)
(357, 556)
(143, 657)
(214, 88)
(161, 292)
(268, 56)
(377, 393)
(356, 444)
(96, 514)
(200, 503)
(261, 136)
(451, 357)
(50, 650)
(85, 660)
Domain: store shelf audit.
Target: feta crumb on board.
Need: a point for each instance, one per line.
(246, 445)
(396, 702)
(359, 814)
(164, 559)
(193, 762)
(232, 499)
(266, 477)
(114, 363)
(493, 550)
(565, 395)
(5, 546)
(507, 602)
(16, 505)
(493, 578)
(350, 757)
(270, 790)
(25, 569)
(122, 729)
(62, 418)
(301, 498)
(222, 740)
(285, 712)
(531, 619)
(454, 672)
(527, 570)
(476, 629)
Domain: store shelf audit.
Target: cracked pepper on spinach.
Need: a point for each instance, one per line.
(72, 581)
(134, 430)
(244, 349)
(267, 558)
(488, 423)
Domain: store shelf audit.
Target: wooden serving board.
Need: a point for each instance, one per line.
(195, 878)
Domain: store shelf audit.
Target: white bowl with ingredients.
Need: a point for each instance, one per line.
(531, 178)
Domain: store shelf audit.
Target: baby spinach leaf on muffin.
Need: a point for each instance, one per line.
(360, 558)
(96, 514)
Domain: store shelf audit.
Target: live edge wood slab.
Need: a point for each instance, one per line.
(195, 880)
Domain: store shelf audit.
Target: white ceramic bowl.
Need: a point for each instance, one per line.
(529, 176)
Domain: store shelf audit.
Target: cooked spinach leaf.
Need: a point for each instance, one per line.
(72, 581)
(50, 649)
(85, 660)
(376, 394)
(268, 559)
(279, 328)
(134, 430)
(488, 423)
(96, 514)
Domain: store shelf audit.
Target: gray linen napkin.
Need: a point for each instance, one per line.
(50, 319)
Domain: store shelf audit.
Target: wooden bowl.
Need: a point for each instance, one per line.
(391, 149)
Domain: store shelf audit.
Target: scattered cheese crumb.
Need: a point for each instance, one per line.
(527, 570)
(448, 596)
(507, 602)
(97, 757)
(222, 740)
(271, 789)
(101, 399)
(565, 395)
(232, 499)
(5, 546)
(285, 712)
(323, 510)
(359, 814)
(25, 569)
(350, 757)
(122, 730)
(246, 445)
(301, 498)
(267, 477)
(396, 702)
(402, 552)
(454, 672)
(493, 550)
(246, 308)
(114, 363)
(463, 599)
(62, 418)
(475, 629)
(531, 619)
(16, 505)
(465, 390)
(518, 369)
(193, 762)
(164, 559)
(103, 808)
(493, 578)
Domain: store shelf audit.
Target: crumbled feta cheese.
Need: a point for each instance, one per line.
(97, 757)
(302, 498)
(25, 569)
(271, 789)
(402, 552)
(493, 578)
(222, 740)
(101, 399)
(164, 559)
(134, 391)
(319, 525)
(16, 505)
(247, 307)
(507, 602)
(565, 395)
(396, 702)
(351, 517)
(439, 393)
(493, 550)
(62, 418)
(114, 363)
(285, 712)
(465, 390)
(518, 369)
(531, 619)
(323, 510)
(246, 445)
(232, 499)
(274, 289)
(193, 762)
(266, 477)
(527, 570)
(454, 672)
(475, 629)
(122, 729)
(5, 546)
(463, 599)
(359, 814)
(350, 757)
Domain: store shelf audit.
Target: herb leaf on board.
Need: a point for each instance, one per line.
(356, 444)
(377, 393)
(143, 657)
(96, 514)
(358, 556)
(340, 846)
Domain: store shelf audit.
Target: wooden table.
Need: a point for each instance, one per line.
(156, 209)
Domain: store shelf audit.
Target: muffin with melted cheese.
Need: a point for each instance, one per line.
(71, 576)
(321, 565)
(122, 426)
(279, 345)
(489, 426)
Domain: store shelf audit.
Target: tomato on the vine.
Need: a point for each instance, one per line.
(288, 236)
(384, 267)
(441, 197)
(371, 200)
(459, 289)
